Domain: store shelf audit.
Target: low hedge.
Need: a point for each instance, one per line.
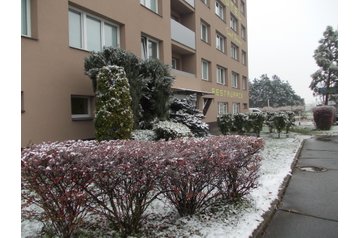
(117, 180)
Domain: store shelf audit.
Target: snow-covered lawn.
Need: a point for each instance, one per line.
(237, 221)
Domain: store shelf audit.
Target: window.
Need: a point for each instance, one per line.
(220, 10)
(245, 106)
(244, 83)
(149, 48)
(220, 42)
(81, 107)
(235, 80)
(221, 75)
(25, 18)
(151, 4)
(243, 32)
(174, 63)
(223, 108)
(233, 23)
(235, 108)
(242, 7)
(234, 51)
(243, 57)
(205, 32)
(22, 102)
(91, 33)
(205, 69)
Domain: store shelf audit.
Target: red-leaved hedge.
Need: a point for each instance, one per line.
(324, 116)
(118, 179)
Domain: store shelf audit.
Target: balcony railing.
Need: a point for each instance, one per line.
(182, 34)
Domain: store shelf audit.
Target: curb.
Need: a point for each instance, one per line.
(268, 215)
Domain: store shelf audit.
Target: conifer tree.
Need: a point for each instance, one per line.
(114, 117)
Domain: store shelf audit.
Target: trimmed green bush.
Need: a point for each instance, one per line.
(225, 123)
(279, 121)
(114, 117)
(257, 122)
(323, 117)
(238, 122)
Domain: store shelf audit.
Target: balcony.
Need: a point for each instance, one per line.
(182, 34)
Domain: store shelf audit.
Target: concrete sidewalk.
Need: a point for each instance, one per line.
(309, 207)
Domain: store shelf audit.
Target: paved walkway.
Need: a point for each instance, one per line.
(309, 207)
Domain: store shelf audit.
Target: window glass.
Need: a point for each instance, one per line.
(93, 34)
(25, 18)
(204, 32)
(152, 49)
(75, 29)
(110, 35)
(205, 70)
(80, 106)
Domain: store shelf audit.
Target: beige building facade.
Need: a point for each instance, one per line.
(205, 42)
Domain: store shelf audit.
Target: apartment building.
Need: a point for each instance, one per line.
(205, 42)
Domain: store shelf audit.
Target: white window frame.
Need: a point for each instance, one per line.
(244, 83)
(221, 75)
(235, 79)
(220, 10)
(145, 47)
(235, 108)
(89, 108)
(207, 63)
(233, 22)
(28, 17)
(220, 42)
(204, 34)
(148, 4)
(223, 108)
(83, 18)
(234, 51)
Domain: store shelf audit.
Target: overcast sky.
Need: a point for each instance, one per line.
(283, 35)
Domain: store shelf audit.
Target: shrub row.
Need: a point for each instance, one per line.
(242, 123)
(117, 180)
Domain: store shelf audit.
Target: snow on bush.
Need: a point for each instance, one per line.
(184, 111)
(170, 130)
(198, 172)
(146, 135)
(323, 117)
(53, 182)
(114, 116)
(117, 180)
(225, 123)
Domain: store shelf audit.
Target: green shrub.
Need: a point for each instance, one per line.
(238, 122)
(257, 122)
(225, 123)
(114, 117)
(290, 120)
(279, 121)
(323, 117)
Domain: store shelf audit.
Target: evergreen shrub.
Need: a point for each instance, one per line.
(114, 117)
(225, 123)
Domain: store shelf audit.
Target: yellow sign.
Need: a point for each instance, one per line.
(226, 93)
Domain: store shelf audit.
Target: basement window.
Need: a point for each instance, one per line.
(81, 107)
